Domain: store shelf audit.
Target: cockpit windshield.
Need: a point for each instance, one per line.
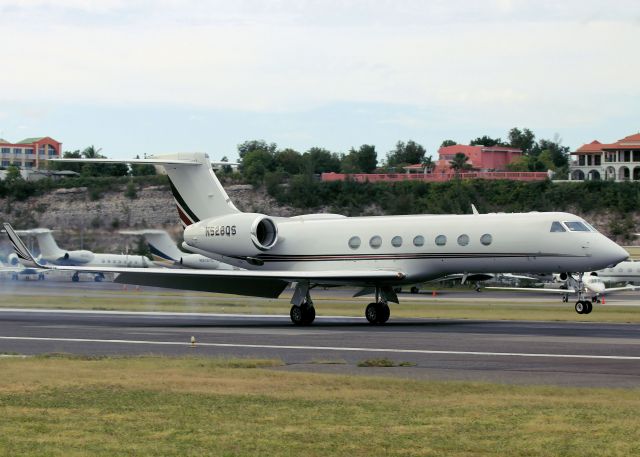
(557, 227)
(577, 226)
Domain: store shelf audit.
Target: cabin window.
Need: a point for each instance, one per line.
(396, 241)
(557, 227)
(375, 242)
(463, 240)
(486, 239)
(354, 242)
(577, 226)
(441, 240)
(418, 241)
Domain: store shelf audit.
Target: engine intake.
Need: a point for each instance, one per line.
(264, 233)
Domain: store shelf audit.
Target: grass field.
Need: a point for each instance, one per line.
(476, 306)
(59, 406)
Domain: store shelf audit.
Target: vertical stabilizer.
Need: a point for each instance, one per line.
(48, 247)
(160, 244)
(196, 189)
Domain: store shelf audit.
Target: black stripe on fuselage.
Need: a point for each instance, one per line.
(182, 203)
(406, 256)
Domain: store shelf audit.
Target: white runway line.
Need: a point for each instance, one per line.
(325, 348)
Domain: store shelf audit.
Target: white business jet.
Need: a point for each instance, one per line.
(165, 253)
(591, 285)
(52, 254)
(377, 253)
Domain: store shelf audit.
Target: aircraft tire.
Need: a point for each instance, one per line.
(75, 278)
(580, 307)
(377, 313)
(589, 307)
(302, 315)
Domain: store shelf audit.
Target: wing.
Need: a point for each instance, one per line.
(534, 289)
(268, 284)
(610, 290)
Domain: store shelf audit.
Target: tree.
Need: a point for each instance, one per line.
(559, 154)
(446, 143)
(409, 153)
(77, 167)
(487, 141)
(522, 139)
(361, 160)
(93, 169)
(256, 145)
(226, 169)
(319, 160)
(428, 163)
(459, 162)
(290, 161)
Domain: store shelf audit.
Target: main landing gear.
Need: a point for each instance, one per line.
(75, 277)
(303, 312)
(582, 306)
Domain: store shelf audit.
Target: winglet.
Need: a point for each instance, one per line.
(24, 255)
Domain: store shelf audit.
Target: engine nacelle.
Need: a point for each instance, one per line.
(198, 261)
(237, 235)
(76, 257)
(12, 259)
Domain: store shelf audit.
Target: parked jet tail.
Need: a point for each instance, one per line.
(196, 190)
(160, 244)
(48, 247)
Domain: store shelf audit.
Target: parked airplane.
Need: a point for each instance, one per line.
(369, 252)
(590, 285)
(628, 272)
(165, 253)
(16, 269)
(52, 254)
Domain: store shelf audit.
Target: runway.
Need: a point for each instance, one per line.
(554, 353)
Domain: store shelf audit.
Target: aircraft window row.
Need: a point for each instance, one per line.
(441, 240)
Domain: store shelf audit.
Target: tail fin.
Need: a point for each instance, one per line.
(25, 256)
(160, 244)
(48, 247)
(197, 192)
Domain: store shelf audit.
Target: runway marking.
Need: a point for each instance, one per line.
(325, 348)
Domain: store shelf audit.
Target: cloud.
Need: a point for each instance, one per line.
(503, 59)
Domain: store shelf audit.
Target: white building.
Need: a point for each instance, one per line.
(619, 161)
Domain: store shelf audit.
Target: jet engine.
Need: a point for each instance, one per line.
(198, 261)
(12, 259)
(234, 235)
(76, 257)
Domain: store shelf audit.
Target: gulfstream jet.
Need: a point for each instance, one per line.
(165, 253)
(373, 253)
(52, 254)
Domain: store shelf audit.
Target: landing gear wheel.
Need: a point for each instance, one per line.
(377, 313)
(99, 278)
(75, 277)
(303, 314)
(41, 277)
(414, 290)
(589, 307)
(581, 307)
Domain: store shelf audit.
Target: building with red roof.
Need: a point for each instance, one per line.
(29, 153)
(619, 161)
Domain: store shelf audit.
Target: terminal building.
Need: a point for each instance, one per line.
(619, 161)
(29, 153)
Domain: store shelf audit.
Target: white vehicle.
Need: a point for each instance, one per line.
(52, 254)
(590, 285)
(165, 253)
(378, 253)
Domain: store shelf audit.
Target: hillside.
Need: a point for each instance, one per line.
(84, 220)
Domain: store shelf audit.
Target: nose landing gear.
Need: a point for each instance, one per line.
(583, 307)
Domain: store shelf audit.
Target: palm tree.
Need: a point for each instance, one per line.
(92, 153)
(428, 164)
(459, 163)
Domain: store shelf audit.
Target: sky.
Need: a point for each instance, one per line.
(152, 76)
